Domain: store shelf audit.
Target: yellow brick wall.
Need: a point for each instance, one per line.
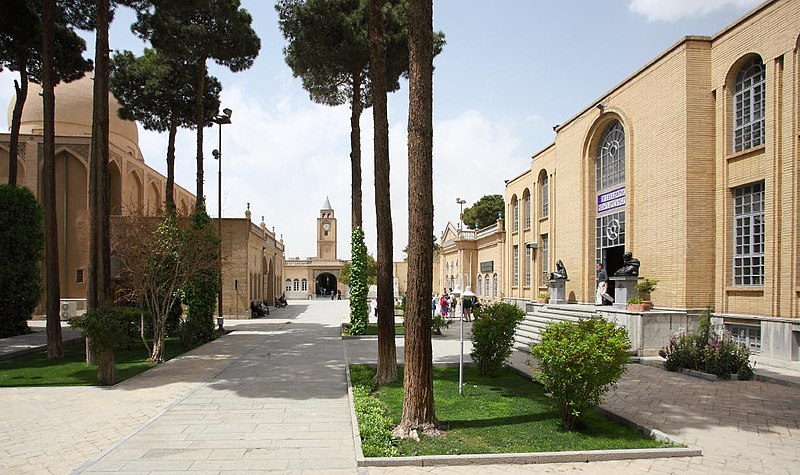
(676, 113)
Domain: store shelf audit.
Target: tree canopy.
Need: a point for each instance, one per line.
(484, 212)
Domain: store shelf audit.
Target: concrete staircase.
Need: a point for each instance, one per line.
(538, 317)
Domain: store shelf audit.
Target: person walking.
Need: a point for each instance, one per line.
(602, 286)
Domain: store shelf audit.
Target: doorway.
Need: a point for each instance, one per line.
(326, 283)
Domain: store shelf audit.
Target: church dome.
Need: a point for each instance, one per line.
(74, 114)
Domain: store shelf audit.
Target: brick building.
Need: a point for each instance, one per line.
(691, 164)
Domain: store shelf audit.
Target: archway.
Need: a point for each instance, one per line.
(133, 194)
(115, 188)
(326, 283)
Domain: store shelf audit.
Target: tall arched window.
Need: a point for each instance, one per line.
(748, 105)
(480, 285)
(495, 293)
(296, 285)
(288, 286)
(304, 285)
(545, 196)
(527, 199)
(515, 206)
(610, 165)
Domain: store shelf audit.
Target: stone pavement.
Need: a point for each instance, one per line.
(16, 345)
(271, 397)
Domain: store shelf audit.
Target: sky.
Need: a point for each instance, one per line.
(510, 71)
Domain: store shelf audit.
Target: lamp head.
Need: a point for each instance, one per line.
(216, 154)
(228, 112)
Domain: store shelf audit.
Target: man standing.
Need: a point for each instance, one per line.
(602, 286)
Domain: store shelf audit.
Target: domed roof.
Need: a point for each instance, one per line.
(74, 114)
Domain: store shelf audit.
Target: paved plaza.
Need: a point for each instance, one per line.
(272, 397)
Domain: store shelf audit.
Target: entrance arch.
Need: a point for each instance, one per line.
(326, 283)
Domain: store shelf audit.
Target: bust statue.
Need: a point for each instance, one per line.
(560, 273)
(630, 266)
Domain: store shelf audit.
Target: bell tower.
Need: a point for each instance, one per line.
(326, 233)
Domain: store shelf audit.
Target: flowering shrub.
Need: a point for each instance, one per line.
(712, 353)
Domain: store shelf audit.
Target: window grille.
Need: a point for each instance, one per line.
(747, 335)
(516, 266)
(288, 286)
(545, 196)
(516, 215)
(545, 254)
(304, 285)
(610, 164)
(749, 100)
(528, 264)
(748, 223)
(527, 211)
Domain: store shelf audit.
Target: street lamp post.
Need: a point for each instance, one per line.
(460, 212)
(222, 119)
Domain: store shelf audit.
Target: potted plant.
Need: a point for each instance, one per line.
(644, 288)
(635, 304)
(543, 297)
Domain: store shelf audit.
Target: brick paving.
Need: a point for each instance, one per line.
(271, 397)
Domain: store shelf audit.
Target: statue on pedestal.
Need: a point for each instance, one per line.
(630, 266)
(560, 273)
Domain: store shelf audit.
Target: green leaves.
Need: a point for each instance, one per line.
(579, 363)
(359, 312)
(484, 212)
(21, 245)
(493, 335)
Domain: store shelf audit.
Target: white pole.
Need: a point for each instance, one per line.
(461, 359)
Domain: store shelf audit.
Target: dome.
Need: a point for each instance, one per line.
(74, 114)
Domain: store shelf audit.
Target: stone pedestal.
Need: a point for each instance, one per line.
(624, 288)
(558, 291)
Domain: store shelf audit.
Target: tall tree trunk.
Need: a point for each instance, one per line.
(199, 108)
(170, 193)
(106, 367)
(355, 151)
(55, 348)
(418, 404)
(387, 352)
(21, 89)
(99, 285)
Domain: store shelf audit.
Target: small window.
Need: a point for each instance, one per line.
(288, 286)
(296, 285)
(304, 285)
(747, 335)
(79, 276)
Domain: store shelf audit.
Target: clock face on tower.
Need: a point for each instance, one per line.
(326, 226)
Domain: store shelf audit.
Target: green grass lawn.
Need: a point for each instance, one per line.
(506, 414)
(35, 370)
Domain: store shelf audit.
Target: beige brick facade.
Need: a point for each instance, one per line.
(472, 258)
(680, 173)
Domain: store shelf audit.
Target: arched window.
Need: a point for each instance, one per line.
(495, 293)
(480, 285)
(296, 285)
(610, 165)
(486, 285)
(748, 105)
(515, 206)
(304, 285)
(545, 196)
(288, 286)
(527, 199)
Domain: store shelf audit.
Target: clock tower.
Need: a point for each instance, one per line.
(326, 233)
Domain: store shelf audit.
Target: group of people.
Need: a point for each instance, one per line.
(444, 304)
(259, 308)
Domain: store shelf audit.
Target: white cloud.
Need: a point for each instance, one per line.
(673, 10)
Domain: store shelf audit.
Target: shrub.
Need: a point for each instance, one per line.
(21, 246)
(107, 328)
(201, 293)
(374, 425)
(635, 300)
(359, 312)
(579, 363)
(646, 286)
(438, 323)
(713, 353)
(493, 335)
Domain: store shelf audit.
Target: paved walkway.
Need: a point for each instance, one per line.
(10, 347)
(271, 397)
